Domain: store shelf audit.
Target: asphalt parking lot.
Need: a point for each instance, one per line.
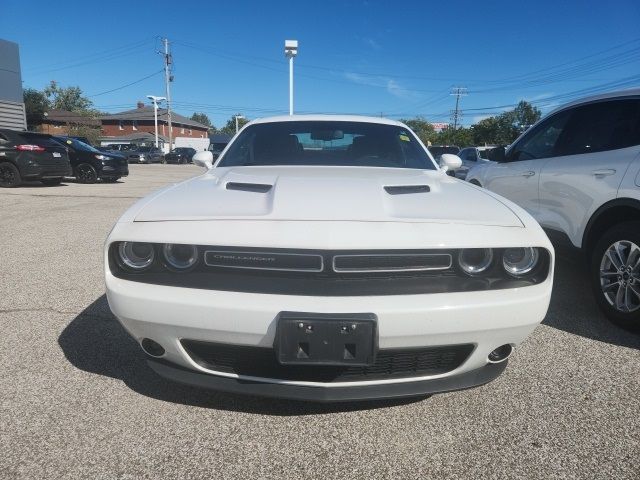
(78, 401)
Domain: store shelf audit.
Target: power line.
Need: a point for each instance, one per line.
(125, 86)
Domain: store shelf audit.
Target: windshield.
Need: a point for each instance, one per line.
(78, 145)
(327, 143)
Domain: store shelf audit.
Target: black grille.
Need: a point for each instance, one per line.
(262, 362)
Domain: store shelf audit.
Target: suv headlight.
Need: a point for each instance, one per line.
(520, 261)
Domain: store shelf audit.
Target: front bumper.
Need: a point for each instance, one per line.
(462, 381)
(114, 171)
(486, 319)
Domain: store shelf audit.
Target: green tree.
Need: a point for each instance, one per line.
(36, 104)
(461, 136)
(503, 129)
(423, 129)
(230, 126)
(68, 98)
(202, 118)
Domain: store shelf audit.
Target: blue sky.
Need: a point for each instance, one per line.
(398, 59)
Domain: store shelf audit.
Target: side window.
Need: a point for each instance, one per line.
(468, 154)
(541, 141)
(601, 126)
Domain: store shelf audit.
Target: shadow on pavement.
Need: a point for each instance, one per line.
(95, 342)
(574, 310)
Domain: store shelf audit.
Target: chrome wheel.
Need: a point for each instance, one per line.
(620, 276)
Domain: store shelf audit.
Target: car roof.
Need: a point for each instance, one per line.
(631, 92)
(328, 118)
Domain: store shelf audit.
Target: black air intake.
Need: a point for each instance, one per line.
(405, 189)
(249, 187)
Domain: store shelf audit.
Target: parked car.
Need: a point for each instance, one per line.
(217, 143)
(180, 155)
(145, 155)
(120, 147)
(577, 171)
(328, 258)
(31, 156)
(90, 164)
(438, 150)
(472, 156)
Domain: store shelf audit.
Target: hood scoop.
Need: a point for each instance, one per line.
(406, 189)
(249, 187)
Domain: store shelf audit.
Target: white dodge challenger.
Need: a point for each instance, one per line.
(327, 258)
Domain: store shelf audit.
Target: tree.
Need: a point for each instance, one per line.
(36, 104)
(69, 98)
(202, 118)
(230, 126)
(423, 129)
(503, 129)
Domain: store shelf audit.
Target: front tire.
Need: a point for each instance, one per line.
(615, 274)
(9, 175)
(85, 173)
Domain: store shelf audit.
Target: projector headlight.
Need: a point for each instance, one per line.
(520, 261)
(474, 261)
(179, 256)
(136, 256)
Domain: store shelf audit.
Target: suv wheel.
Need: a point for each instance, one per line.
(85, 173)
(615, 274)
(9, 175)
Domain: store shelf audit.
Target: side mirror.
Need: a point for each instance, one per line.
(204, 159)
(449, 162)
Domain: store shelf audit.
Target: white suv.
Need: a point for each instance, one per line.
(577, 172)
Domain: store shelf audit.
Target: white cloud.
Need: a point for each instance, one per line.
(392, 86)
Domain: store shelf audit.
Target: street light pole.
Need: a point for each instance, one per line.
(290, 51)
(238, 117)
(155, 101)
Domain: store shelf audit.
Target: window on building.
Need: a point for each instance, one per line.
(134, 125)
(190, 132)
(181, 129)
(120, 126)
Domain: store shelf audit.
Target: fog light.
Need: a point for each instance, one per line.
(152, 348)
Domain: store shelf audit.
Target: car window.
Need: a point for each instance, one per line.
(601, 126)
(327, 143)
(541, 141)
(468, 154)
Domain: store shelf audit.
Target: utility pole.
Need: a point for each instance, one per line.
(456, 115)
(290, 51)
(168, 78)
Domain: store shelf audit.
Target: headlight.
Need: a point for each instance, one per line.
(180, 257)
(519, 261)
(135, 255)
(102, 157)
(475, 260)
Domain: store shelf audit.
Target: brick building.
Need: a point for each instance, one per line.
(63, 122)
(140, 119)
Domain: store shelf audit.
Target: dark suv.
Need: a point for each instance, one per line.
(31, 156)
(90, 164)
(180, 155)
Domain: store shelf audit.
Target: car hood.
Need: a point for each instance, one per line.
(327, 193)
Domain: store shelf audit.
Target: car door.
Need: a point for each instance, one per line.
(592, 155)
(517, 177)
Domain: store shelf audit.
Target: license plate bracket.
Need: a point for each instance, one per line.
(340, 339)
